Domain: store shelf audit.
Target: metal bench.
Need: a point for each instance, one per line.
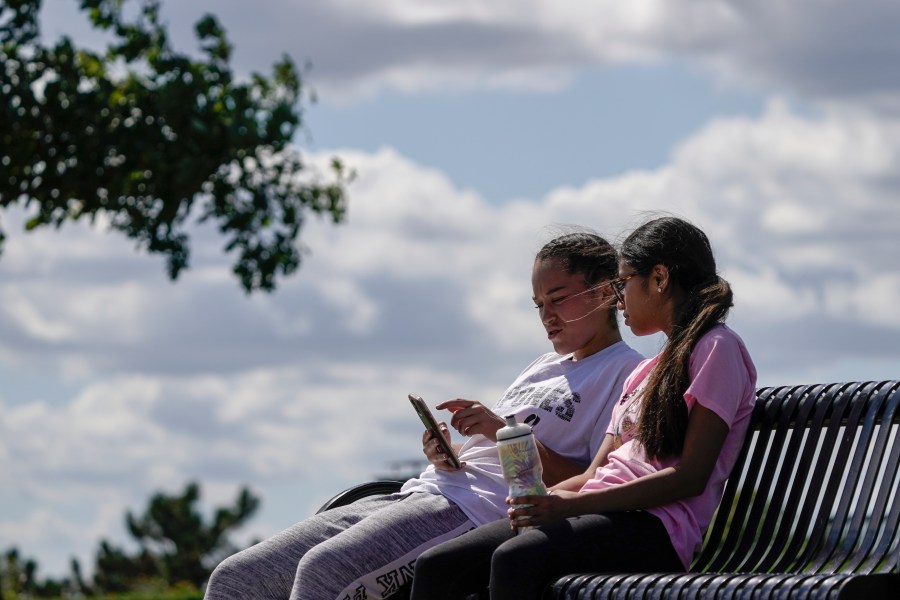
(811, 509)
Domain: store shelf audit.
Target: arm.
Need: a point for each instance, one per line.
(470, 417)
(574, 483)
(556, 467)
(703, 442)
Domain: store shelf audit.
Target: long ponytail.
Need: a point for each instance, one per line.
(704, 301)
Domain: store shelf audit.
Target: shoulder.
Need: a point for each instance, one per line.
(611, 365)
(720, 333)
(720, 341)
(721, 351)
(544, 359)
(617, 355)
(723, 376)
(640, 371)
(623, 351)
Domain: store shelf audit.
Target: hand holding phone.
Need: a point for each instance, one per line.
(431, 425)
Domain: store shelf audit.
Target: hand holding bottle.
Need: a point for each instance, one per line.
(521, 463)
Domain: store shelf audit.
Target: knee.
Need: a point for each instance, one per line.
(513, 556)
(431, 579)
(318, 559)
(429, 564)
(323, 572)
(230, 579)
(248, 575)
(228, 568)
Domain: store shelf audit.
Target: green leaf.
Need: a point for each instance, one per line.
(142, 130)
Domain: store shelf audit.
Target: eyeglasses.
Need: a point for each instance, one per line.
(618, 286)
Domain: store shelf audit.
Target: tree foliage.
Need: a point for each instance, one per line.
(177, 550)
(18, 579)
(149, 140)
(177, 546)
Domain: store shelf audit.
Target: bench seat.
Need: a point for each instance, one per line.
(811, 509)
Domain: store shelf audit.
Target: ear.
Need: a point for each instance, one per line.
(603, 291)
(659, 278)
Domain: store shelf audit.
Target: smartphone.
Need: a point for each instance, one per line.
(432, 426)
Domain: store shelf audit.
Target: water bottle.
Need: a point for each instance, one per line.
(520, 461)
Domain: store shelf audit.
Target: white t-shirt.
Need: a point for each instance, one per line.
(567, 402)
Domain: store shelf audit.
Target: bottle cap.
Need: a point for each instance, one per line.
(512, 429)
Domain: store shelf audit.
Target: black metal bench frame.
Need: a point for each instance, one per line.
(811, 509)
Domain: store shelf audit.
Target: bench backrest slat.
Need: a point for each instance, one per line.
(877, 510)
(804, 501)
(815, 486)
(833, 435)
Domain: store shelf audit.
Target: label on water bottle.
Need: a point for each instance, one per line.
(521, 469)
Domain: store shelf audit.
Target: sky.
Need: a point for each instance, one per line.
(477, 132)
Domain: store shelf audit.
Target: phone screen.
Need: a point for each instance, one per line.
(431, 425)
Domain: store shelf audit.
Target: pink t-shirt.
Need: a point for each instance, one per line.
(723, 380)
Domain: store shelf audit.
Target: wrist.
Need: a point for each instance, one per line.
(578, 504)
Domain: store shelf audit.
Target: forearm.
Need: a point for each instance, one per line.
(657, 489)
(703, 442)
(572, 484)
(688, 478)
(557, 468)
(575, 482)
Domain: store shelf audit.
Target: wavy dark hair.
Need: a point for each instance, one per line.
(587, 254)
(703, 300)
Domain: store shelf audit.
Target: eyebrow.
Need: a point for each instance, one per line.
(553, 291)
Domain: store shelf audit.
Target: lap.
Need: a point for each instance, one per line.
(404, 522)
(615, 542)
(374, 557)
(461, 566)
(294, 541)
(612, 538)
(268, 567)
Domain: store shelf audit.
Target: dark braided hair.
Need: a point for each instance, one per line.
(584, 253)
(703, 300)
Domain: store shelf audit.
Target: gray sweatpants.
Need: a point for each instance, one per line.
(366, 549)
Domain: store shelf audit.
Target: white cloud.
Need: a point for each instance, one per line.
(829, 51)
(427, 287)
(766, 295)
(31, 320)
(358, 311)
(872, 300)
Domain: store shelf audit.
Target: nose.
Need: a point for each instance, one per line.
(547, 313)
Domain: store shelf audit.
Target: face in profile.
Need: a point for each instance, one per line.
(572, 314)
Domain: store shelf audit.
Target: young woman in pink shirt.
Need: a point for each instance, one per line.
(654, 484)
